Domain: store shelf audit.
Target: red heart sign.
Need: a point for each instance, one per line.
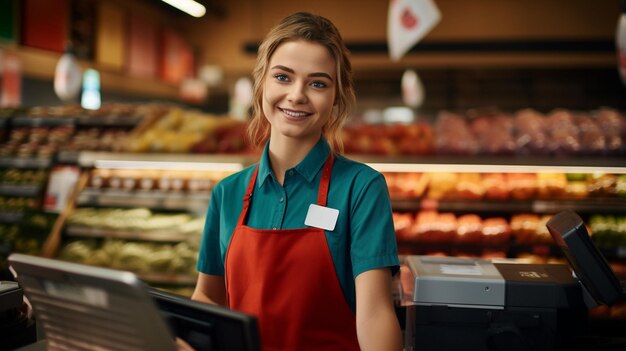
(409, 20)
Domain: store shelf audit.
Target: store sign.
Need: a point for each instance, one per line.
(408, 22)
(11, 80)
(60, 186)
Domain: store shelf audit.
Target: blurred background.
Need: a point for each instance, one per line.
(118, 117)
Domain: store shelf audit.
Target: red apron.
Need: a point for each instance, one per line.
(287, 279)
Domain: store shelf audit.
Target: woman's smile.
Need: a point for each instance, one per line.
(294, 115)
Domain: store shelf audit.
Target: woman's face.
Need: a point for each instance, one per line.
(299, 90)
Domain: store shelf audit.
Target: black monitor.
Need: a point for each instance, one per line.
(569, 232)
(207, 327)
(93, 308)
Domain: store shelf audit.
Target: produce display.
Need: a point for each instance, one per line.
(186, 131)
(13, 176)
(28, 236)
(139, 257)
(41, 142)
(504, 186)
(431, 227)
(18, 203)
(525, 132)
(608, 231)
(136, 219)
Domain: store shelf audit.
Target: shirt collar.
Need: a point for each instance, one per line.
(308, 167)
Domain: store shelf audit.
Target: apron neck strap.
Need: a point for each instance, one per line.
(247, 197)
(322, 194)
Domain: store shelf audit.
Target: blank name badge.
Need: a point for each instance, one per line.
(321, 217)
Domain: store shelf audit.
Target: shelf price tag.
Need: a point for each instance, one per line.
(60, 185)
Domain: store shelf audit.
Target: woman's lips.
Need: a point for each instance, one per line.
(294, 114)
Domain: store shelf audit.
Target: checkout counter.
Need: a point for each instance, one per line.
(472, 304)
(448, 303)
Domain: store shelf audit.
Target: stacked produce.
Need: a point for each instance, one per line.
(394, 139)
(504, 186)
(607, 231)
(96, 139)
(13, 176)
(136, 219)
(446, 228)
(28, 236)
(139, 257)
(525, 132)
(42, 142)
(184, 131)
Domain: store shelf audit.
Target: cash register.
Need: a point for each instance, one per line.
(16, 329)
(474, 304)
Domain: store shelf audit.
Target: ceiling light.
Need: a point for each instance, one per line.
(190, 7)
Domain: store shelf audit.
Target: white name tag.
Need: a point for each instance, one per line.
(321, 217)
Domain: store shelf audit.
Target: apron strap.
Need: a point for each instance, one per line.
(322, 194)
(247, 197)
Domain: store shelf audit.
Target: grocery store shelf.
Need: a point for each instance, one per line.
(588, 205)
(12, 217)
(19, 190)
(168, 278)
(25, 162)
(25, 121)
(108, 121)
(494, 164)
(192, 162)
(151, 199)
(154, 235)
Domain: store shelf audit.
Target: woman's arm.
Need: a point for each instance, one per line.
(376, 322)
(210, 289)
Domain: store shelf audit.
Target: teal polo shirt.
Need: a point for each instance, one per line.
(363, 238)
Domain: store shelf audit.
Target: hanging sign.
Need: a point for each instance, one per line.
(408, 22)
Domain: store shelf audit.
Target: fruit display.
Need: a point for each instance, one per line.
(393, 139)
(18, 203)
(96, 139)
(432, 227)
(13, 176)
(139, 257)
(28, 236)
(42, 142)
(187, 131)
(526, 132)
(136, 219)
(608, 231)
(503, 186)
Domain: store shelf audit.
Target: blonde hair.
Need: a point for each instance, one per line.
(315, 29)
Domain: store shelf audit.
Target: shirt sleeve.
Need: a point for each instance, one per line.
(210, 256)
(373, 240)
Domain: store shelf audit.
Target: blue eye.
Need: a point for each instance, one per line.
(281, 77)
(319, 85)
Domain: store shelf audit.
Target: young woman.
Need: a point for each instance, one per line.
(304, 240)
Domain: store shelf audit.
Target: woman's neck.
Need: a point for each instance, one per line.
(286, 153)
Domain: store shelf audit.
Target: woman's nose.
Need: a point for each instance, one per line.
(297, 93)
